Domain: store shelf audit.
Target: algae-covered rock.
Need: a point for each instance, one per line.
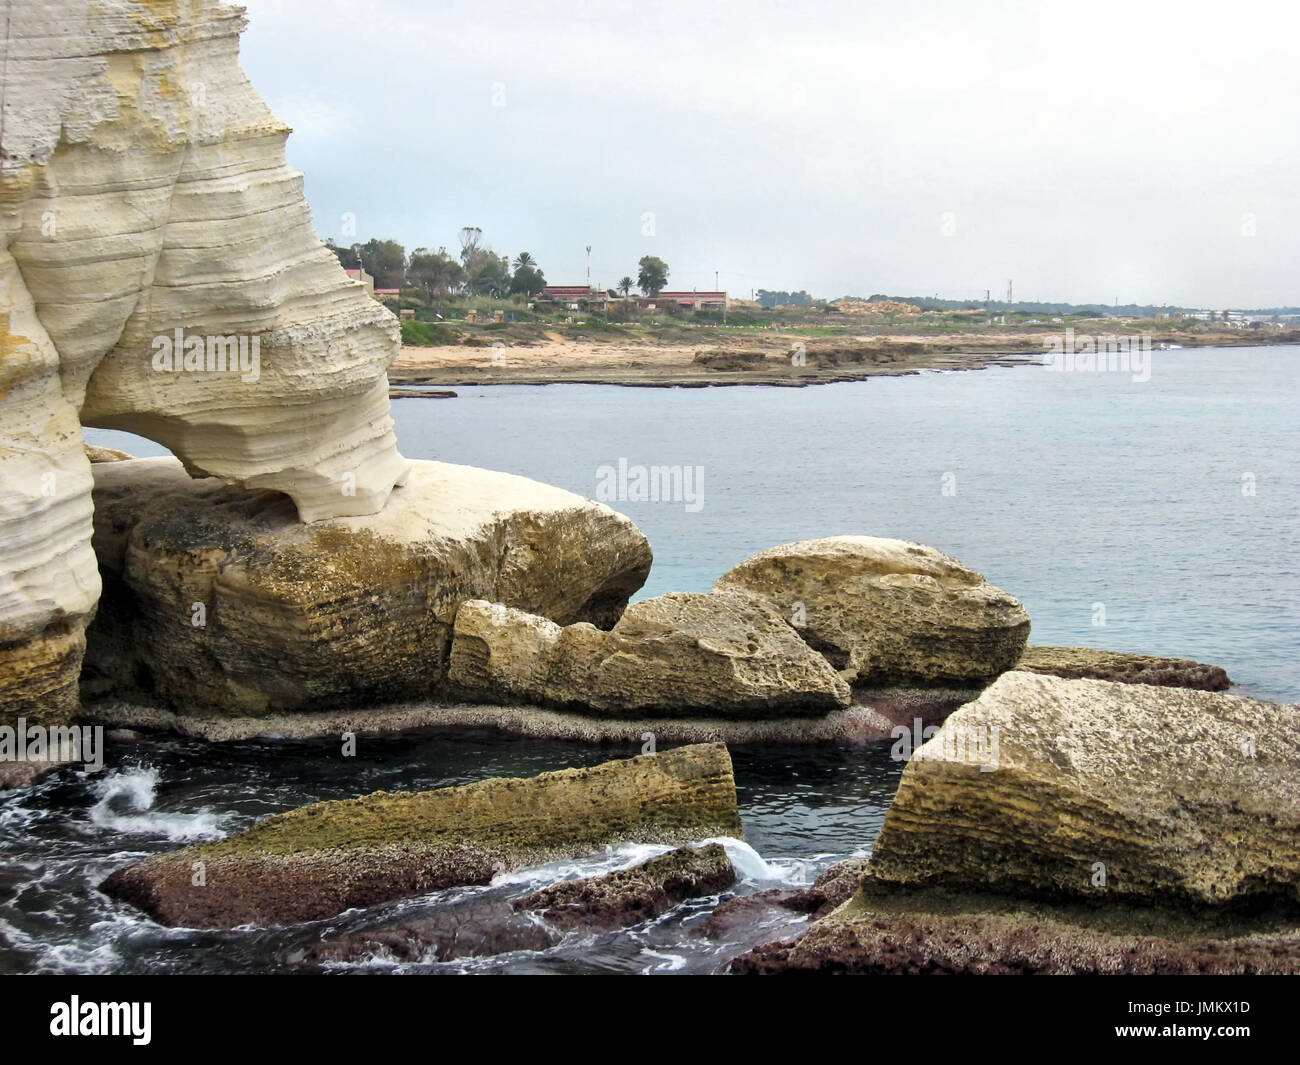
(675, 654)
(219, 598)
(320, 860)
(1086, 663)
(884, 611)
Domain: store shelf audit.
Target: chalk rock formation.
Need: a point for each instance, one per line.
(884, 611)
(320, 860)
(218, 597)
(1115, 828)
(145, 199)
(676, 654)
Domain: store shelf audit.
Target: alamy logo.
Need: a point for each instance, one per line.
(56, 744)
(1103, 354)
(178, 353)
(103, 1018)
(957, 742)
(626, 483)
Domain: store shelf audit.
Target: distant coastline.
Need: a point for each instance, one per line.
(748, 357)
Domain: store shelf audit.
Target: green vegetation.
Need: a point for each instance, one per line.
(652, 275)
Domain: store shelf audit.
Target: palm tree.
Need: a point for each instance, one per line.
(524, 259)
(625, 285)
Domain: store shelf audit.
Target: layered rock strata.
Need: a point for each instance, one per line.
(159, 273)
(1080, 826)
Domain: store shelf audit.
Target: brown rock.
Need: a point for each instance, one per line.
(321, 860)
(1085, 663)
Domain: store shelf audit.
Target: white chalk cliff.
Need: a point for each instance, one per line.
(144, 191)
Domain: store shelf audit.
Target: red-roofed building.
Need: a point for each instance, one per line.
(575, 295)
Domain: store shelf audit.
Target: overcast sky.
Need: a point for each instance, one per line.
(1140, 150)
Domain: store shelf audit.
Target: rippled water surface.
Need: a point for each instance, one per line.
(802, 809)
(1168, 509)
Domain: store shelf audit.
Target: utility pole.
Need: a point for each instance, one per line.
(988, 315)
(588, 267)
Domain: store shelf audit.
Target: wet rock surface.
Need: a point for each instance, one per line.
(320, 860)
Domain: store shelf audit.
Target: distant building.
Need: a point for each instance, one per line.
(387, 293)
(576, 295)
(363, 277)
(692, 301)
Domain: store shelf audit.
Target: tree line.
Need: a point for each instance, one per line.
(476, 271)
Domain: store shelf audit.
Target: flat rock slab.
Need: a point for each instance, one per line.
(1086, 663)
(320, 860)
(629, 896)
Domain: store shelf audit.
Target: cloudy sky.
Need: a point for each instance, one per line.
(1139, 150)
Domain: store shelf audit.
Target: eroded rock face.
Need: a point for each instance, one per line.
(1102, 791)
(145, 198)
(676, 654)
(217, 597)
(321, 860)
(885, 611)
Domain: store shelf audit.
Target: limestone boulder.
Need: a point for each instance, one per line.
(677, 654)
(1102, 790)
(887, 611)
(218, 597)
(320, 860)
(1080, 826)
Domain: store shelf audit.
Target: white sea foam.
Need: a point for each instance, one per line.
(136, 790)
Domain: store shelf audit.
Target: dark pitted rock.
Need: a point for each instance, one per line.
(220, 598)
(320, 860)
(887, 611)
(478, 927)
(833, 888)
(463, 930)
(677, 654)
(931, 933)
(1085, 663)
(629, 896)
